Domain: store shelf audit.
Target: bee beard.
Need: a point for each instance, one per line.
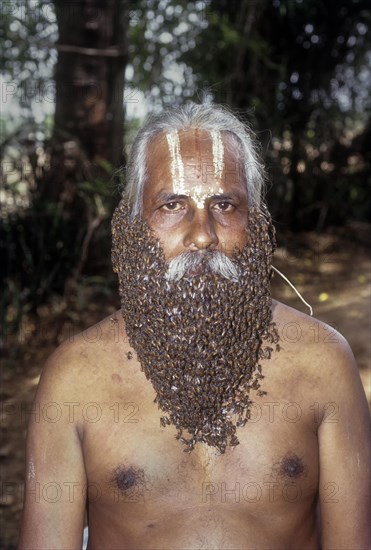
(199, 339)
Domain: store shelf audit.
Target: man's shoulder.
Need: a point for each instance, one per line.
(90, 352)
(316, 345)
(297, 327)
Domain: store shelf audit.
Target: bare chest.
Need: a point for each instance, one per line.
(130, 458)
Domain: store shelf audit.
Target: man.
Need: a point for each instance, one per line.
(190, 420)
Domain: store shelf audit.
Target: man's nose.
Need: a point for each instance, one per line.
(201, 234)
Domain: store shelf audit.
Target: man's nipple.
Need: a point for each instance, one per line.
(125, 478)
(290, 466)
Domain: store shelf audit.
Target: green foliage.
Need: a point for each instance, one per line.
(44, 242)
(56, 204)
(27, 34)
(159, 34)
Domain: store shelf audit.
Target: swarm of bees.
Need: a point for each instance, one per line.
(200, 339)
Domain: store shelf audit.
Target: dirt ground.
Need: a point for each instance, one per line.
(331, 271)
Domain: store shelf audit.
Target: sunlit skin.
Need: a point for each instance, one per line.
(176, 219)
(302, 455)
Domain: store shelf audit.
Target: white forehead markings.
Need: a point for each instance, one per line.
(198, 192)
(177, 167)
(199, 195)
(31, 470)
(218, 153)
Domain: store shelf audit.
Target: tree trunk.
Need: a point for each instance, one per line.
(89, 79)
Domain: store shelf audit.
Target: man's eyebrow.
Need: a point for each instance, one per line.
(223, 196)
(171, 197)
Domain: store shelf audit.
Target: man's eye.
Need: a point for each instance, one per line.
(171, 206)
(224, 206)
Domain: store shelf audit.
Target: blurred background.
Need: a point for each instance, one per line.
(77, 79)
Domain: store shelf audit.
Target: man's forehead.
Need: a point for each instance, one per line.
(194, 143)
(197, 163)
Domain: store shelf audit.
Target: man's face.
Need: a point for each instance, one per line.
(195, 197)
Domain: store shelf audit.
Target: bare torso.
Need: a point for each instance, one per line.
(146, 492)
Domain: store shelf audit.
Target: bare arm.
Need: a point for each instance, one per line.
(344, 443)
(55, 481)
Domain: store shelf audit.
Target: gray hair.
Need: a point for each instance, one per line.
(203, 117)
(217, 262)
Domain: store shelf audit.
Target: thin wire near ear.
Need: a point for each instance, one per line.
(293, 287)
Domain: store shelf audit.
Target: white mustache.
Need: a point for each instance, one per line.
(216, 261)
